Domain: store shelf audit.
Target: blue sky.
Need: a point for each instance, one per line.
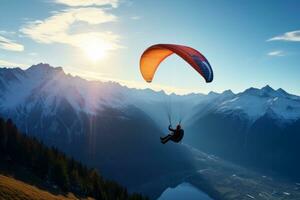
(249, 43)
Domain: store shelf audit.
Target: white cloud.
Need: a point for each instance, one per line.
(3, 32)
(293, 36)
(56, 29)
(5, 63)
(113, 3)
(10, 45)
(276, 53)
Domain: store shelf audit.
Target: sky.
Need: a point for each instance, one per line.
(249, 43)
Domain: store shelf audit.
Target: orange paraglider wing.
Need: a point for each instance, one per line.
(154, 55)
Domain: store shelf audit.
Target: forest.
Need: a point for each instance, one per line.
(27, 158)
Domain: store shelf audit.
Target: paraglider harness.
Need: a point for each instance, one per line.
(176, 135)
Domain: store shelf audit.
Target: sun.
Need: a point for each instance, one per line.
(94, 52)
(94, 49)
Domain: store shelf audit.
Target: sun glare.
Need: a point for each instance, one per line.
(94, 52)
(94, 49)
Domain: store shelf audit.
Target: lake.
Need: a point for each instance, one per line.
(184, 191)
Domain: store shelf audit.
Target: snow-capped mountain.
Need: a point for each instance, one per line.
(257, 128)
(47, 86)
(257, 102)
(81, 117)
(50, 86)
(250, 104)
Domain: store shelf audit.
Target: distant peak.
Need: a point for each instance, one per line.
(228, 92)
(44, 67)
(212, 93)
(251, 90)
(267, 88)
(40, 65)
(282, 91)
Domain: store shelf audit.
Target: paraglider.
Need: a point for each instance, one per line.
(176, 135)
(150, 62)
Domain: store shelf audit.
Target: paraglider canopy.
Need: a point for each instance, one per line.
(154, 55)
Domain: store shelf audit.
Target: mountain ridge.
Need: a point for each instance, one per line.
(88, 96)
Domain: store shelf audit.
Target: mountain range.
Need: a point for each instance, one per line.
(258, 128)
(116, 128)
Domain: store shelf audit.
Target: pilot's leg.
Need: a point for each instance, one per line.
(163, 138)
(166, 139)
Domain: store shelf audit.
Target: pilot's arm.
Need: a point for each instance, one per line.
(170, 128)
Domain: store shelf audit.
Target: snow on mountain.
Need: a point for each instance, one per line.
(257, 102)
(46, 86)
(43, 83)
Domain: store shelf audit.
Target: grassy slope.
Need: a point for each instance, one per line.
(12, 189)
